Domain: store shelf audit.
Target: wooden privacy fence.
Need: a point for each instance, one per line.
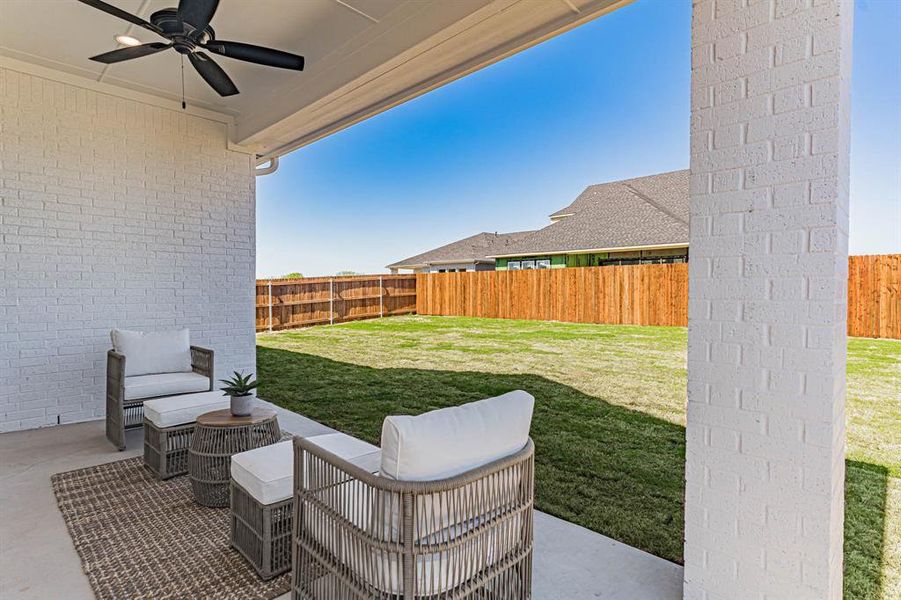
(636, 295)
(874, 296)
(628, 295)
(632, 294)
(289, 303)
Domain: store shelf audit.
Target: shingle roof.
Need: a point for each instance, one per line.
(476, 248)
(645, 211)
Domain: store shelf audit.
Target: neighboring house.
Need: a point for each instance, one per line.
(469, 254)
(634, 221)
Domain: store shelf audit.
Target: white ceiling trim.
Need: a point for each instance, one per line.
(571, 6)
(357, 10)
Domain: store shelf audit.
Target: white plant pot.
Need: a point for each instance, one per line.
(241, 406)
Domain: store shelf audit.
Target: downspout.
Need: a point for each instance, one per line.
(270, 168)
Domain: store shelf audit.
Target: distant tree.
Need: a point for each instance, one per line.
(293, 276)
(342, 273)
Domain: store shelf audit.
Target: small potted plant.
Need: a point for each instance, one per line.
(240, 388)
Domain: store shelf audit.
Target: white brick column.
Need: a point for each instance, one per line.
(767, 287)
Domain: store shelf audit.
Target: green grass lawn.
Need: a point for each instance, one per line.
(609, 416)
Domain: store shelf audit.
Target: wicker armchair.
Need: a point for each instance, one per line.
(122, 414)
(362, 535)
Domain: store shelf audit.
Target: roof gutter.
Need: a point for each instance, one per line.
(270, 168)
(583, 251)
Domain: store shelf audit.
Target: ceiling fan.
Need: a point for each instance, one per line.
(188, 30)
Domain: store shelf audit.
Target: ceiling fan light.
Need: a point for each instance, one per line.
(127, 40)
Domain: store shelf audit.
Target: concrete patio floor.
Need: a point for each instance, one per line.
(38, 560)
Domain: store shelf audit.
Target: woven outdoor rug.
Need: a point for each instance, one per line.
(139, 537)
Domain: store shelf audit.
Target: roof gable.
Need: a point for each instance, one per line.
(644, 211)
(666, 188)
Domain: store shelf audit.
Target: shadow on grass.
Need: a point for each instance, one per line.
(607, 468)
(866, 487)
(613, 470)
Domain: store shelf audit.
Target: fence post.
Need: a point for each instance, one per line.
(331, 301)
(270, 305)
(381, 298)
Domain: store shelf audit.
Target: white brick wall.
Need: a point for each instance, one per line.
(767, 285)
(113, 213)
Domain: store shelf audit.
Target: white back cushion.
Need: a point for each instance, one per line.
(450, 441)
(156, 352)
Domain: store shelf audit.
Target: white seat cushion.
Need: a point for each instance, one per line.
(155, 352)
(345, 446)
(267, 473)
(178, 410)
(449, 441)
(165, 384)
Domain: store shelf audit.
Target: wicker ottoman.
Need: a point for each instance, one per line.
(169, 429)
(262, 497)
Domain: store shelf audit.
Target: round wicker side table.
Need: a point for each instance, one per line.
(217, 436)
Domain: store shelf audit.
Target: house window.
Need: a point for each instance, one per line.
(528, 264)
(544, 263)
(648, 260)
(514, 265)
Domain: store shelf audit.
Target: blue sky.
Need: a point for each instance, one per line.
(501, 149)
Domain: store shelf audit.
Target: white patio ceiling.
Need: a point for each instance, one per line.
(362, 56)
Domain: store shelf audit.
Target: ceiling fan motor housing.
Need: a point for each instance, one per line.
(184, 36)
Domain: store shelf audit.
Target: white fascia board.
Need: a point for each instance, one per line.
(591, 250)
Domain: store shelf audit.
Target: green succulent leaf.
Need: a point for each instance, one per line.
(239, 385)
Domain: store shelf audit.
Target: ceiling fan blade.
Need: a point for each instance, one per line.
(118, 12)
(131, 52)
(197, 12)
(256, 54)
(213, 74)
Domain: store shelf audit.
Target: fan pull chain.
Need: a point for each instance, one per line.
(183, 105)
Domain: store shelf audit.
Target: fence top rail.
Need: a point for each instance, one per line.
(336, 278)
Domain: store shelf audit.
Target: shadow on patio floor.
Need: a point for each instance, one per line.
(617, 471)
